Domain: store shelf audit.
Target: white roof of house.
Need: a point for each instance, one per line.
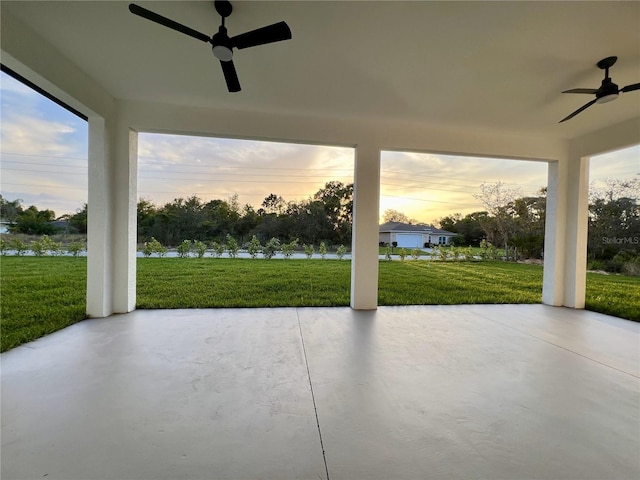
(399, 227)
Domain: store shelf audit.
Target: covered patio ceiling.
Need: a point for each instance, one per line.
(467, 65)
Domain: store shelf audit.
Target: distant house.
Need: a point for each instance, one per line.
(413, 236)
(5, 226)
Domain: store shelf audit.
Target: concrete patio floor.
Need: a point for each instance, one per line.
(471, 391)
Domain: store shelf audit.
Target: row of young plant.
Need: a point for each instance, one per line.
(42, 247)
(487, 251)
(231, 247)
(46, 246)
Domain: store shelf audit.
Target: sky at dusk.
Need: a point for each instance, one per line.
(43, 162)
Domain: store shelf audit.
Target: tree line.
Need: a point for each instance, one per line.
(517, 223)
(509, 219)
(326, 216)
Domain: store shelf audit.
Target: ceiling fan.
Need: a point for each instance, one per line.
(607, 92)
(222, 44)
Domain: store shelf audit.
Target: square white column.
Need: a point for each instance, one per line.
(364, 246)
(99, 222)
(111, 219)
(555, 234)
(565, 243)
(577, 232)
(125, 228)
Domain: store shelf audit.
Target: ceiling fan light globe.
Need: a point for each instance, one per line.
(607, 98)
(222, 53)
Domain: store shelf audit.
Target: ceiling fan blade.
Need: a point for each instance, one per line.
(269, 34)
(230, 76)
(591, 91)
(154, 17)
(584, 107)
(631, 88)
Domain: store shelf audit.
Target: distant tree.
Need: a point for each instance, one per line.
(35, 222)
(248, 221)
(78, 221)
(614, 226)
(9, 211)
(147, 217)
(273, 204)
(529, 219)
(468, 228)
(499, 202)
(391, 215)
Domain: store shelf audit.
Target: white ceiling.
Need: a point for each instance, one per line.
(483, 65)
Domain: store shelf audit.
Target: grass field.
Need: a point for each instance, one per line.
(223, 282)
(39, 296)
(42, 295)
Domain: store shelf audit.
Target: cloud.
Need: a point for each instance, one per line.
(622, 164)
(429, 186)
(171, 166)
(43, 150)
(35, 136)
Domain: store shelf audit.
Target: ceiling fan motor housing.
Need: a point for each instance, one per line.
(222, 48)
(607, 92)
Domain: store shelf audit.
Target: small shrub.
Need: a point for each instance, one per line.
(632, 269)
(415, 253)
(75, 248)
(468, 253)
(322, 250)
(154, 246)
(271, 248)
(341, 251)
(288, 249)
(232, 247)
(218, 249)
(309, 250)
(443, 253)
(38, 248)
(184, 249)
(19, 246)
(402, 253)
(387, 252)
(454, 253)
(200, 248)
(45, 246)
(254, 247)
(488, 251)
(595, 265)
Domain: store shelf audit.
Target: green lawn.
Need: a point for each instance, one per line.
(224, 282)
(450, 283)
(39, 296)
(42, 295)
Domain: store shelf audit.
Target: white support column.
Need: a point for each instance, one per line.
(577, 229)
(555, 234)
(565, 244)
(99, 221)
(111, 220)
(364, 247)
(125, 220)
